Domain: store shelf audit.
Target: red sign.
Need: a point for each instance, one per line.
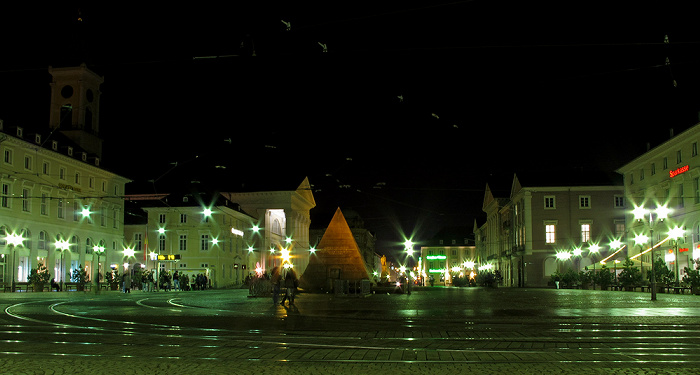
(683, 250)
(678, 171)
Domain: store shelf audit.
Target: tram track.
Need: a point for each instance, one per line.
(614, 343)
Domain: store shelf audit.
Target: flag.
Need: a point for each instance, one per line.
(145, 247)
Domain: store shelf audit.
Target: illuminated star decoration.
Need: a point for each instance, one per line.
(400, 98)
(324, 46)
(288, 24)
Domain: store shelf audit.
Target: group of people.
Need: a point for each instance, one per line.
(284, 279)
(167, 281)
(182, 281)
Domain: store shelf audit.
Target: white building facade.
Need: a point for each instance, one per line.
(57, 205)
(666, 176)
(62, 205)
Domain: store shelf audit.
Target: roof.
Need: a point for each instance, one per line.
(448, 235)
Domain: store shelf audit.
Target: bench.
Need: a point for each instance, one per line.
(678, 289)
(74, 286)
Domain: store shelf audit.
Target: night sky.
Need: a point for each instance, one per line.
(414, 107)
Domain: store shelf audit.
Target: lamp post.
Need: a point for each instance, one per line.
(99, 250)
(594, 249)
(675, 234)
(640, 214)
(408, 247)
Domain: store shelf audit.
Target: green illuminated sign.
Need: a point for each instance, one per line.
(436, 257)
(434, 270)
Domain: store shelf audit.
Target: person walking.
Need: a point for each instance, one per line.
(290, 283)
(275, 280)
(176, 280)
(127, 282)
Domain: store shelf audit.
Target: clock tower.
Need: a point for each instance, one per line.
(75, 106)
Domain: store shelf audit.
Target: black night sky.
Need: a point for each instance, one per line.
(414, 107)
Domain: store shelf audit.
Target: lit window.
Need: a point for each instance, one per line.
(550, 233)
(585, 233)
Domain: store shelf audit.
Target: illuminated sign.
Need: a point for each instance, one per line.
(683, 250)
(170, 257)
(678, 171)
(436, 257)
(434, 270)
(237, 232)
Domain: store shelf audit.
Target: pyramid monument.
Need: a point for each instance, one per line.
(337, 256)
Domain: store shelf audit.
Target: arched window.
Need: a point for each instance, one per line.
(74, 244)
(276, 227)
(550, 266)
(27, 236)
(88, 245)
(43, 237)
(66, 120)
(88, 120)
(3, 235)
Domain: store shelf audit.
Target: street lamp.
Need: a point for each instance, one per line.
(99, 250)
(640, 214)
(675, 234)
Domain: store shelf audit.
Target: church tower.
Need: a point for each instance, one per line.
(75, 106)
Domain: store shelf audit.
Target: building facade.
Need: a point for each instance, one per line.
(451, 252)
(193, 234)
(524, 232)
(283, 220)
(666, 176)
(58, 207)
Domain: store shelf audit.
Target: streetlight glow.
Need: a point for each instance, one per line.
(563, 255)
(676, 233)
(641, 239)
(14, 239)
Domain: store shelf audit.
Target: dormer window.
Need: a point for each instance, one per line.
(70, 151)
(84, 156)
(20, 132)
(37, 139)
(54, 145)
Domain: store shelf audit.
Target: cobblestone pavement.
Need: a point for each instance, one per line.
(433, 330)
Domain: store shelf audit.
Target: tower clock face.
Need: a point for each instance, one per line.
(67, 91)
(89, 96)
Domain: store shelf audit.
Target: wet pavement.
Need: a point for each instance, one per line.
(433, 330)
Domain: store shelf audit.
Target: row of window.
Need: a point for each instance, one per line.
(46, 242)
(46, 170)
(664, 163)
(584, 202)
(62, 206)
(551, 232)
(206, 242)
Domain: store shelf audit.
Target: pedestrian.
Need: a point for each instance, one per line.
(150, 281)
(54, 284)
(127, 282)
(176, 280)
(275, 279)
(290, 283)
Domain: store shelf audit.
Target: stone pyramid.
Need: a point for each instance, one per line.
(337, 257)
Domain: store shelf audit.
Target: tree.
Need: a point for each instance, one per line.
(663, 274)
(39, 276)
(570, 277)
(630, 276)
(604, 277)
